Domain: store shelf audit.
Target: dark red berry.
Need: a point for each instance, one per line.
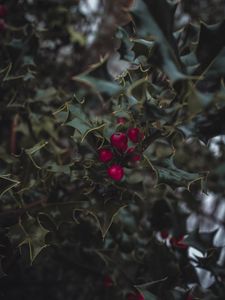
(135, 296)
(135, 135)
(136, 158)
(105, 155)
(178, 242)
(164, 234)
(115, 172)
(130, 150)
(182, 245)
(189, 297)
(3, 10)
(119, 141)
(121, 120)
(2, 25)
(107, 281)
(173, 241)
(133, 156)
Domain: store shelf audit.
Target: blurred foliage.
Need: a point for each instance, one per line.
(68, 70)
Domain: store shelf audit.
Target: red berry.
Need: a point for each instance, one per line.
(135, 296)
(130, 150)
(173, 241)
(105, 155)
(119, 141)
(135, 135)
(115, 172)
(131, 296)
(178, 242)
(107, 281)
(182, 245)
(133, 156)
(189, 297)
(140, 297)
(2, 25)
(136, 158)
(3, 10)
(164, 234)
(121, 120)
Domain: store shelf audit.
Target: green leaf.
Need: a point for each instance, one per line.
(55, 168)
(11, 217)
(144, 42)
(147, 295)
(80, 122)
(64, 212)
(47, 221)
(211, 43)
(100, 127)
(134, 176)
(197, 101)
(126, 51)
(99, 85)
(168, 173)
(7, 183)
(80, 125)
(36, 148)
(105, 212)
(29, 232)
(217, 66)
(150, 22)
(45, 95)
(76, 111)
(32, 151)
(142, 288)
(202, 241)
(16, 43)
(76, 36)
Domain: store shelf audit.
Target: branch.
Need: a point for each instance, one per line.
(13, 146)
(11, 216)
(150, 139)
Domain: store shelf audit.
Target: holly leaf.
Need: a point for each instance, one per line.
(167, 172)
(210, 53)
(7, 183)
(11, 217)
(59, 169)
(80, 122)
(33, 150)
(211, 42)
(148, 23)
(202, 241)
(99, 85)
(63, 212)
(29, 232)
(45, 95)
(79, 125)
(147, 295)
(105, 212)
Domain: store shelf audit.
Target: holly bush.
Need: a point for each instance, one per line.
(109, 111)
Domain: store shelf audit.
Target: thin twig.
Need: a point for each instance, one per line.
(13, 145)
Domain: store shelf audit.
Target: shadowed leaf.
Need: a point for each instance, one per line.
(6, 184)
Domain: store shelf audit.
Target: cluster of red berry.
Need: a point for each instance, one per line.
(120, 152)
(3, 13)
(178, 242)
(173, 241)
